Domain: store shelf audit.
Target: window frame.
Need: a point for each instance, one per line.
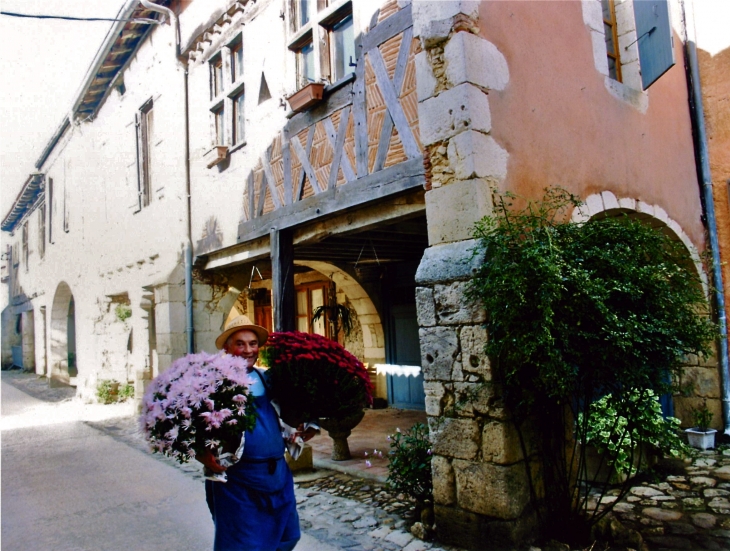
(42, 230)
(238, 117)
(615, 55)
(145, 123)
(24, 243)
(324, 16)
(307, 315)
(227, 68)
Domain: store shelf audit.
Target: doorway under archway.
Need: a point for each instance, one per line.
(63, 336)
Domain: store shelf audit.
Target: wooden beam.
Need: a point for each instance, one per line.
(400, 72)
(387, 29)
(410, 146)
(286, 160)
(270, 180)
(360, 113)
(338, 146)
(340, 98)
(389, 181)
(283, 297)
(251, 197)
(304, 159)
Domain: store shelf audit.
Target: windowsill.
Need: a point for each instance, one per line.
(236, 147)
(349, 77)
(638, 99)
(328, 89)
(236, 88)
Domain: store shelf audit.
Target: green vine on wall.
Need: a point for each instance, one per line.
(577, 311)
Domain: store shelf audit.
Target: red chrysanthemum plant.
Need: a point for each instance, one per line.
(313, 377)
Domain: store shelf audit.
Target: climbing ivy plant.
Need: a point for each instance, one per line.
(575, 312)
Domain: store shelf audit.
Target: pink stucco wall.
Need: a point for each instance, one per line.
(561, 126)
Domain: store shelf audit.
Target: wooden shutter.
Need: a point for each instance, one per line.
(654, 34)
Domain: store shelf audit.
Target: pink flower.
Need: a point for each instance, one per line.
(368, 464)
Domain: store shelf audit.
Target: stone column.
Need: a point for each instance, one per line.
(481, 491)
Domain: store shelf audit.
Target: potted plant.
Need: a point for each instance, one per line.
(313, 377)
(701, 436)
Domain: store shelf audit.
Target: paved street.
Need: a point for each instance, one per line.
(77, 477)
(68, 487)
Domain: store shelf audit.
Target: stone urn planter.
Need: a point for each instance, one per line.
(701, 439)
(339, 429)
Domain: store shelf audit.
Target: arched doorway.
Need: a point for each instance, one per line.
(702, 380)
(63, 336)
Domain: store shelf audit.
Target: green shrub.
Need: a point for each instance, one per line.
(126, 392)
(576, 311)
(123, 312)
(618, 425)
(409, 463)
(702, 417)
(109, 391)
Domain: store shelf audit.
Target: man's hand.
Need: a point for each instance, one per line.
(306, 435)
(209, 459)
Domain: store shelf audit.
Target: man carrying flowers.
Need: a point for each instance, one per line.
(255, 510)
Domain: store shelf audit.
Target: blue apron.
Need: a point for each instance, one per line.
(256, 509)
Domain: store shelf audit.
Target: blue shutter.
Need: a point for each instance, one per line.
(654, 33)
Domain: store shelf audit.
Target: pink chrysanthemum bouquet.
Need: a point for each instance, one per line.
(200, 402)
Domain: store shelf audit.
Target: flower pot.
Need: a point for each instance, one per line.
(339, 429)
(702, 440)
(306, 97)
(217, 154)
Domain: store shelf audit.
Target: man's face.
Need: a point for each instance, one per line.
(243, 343)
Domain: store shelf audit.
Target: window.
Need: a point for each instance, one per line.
(145, 129)
(610, 29)
(236, 61)
(343, 48)
(226, 93)
(323, 40)
(216, 77)
(219, 115)
(26, 251)
(309, 297)
(50, 210)
(238, 120)
(42, 231)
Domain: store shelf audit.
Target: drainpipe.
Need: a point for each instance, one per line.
(189, 327)
(698, 120)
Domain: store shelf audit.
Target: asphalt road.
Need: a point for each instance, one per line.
(69, 487)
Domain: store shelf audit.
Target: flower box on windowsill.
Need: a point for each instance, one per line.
(306, 97)
(216, 155)
(703, 440)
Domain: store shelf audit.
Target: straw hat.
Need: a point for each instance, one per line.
(237, 324)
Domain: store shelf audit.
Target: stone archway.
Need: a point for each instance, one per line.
(63, 336)
(607, 204)
(699, 374)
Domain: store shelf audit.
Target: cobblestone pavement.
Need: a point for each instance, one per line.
(688, 510)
